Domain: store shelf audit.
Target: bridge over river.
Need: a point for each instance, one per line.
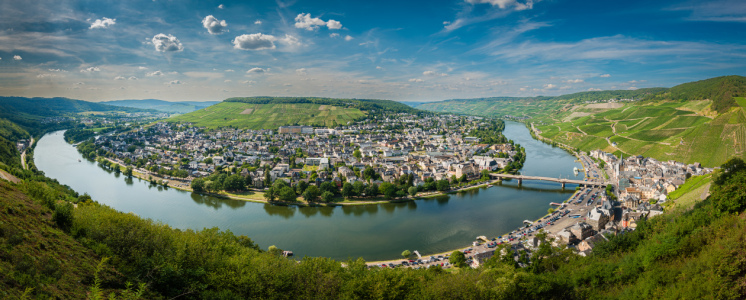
(563, 181)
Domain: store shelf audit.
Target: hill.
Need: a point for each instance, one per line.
(684, 254)
(181, 107)
(272, 112)
(701, 121)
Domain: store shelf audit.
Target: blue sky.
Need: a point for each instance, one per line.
(399, 50)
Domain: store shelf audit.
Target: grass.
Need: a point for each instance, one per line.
(308, 168)
(691, 184)
(268, 116)
(741, 101)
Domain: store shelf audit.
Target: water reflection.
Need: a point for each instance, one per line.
(215, 202)
(285, 212)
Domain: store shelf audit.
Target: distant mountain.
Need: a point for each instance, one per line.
(413, 103)
(180, 107)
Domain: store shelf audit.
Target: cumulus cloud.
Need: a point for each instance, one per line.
(632, 88)
(415, 80)
(173, 82)
(142, 68)
(291, 41)
(334, 35)
(593, 89)
(214, 26)
(56, 70)
(379, 68)
(254, 41)
(46, 75)
(550, 86)
(90, 69)
(230, 70)
(154, 73)
(433, 73)
(503, 4)
(348, 38)
(304, 21)
(221, 6)
(17, 57)
(167, 43)
(119, 78)
(301, 71)
(256, 71)
(102, 23)
(132, 78)
(605, 76)
(258, 22)
(574, 80)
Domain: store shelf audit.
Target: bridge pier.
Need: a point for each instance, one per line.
(563, 185)
(520, 181)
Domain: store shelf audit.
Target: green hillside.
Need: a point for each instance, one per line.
(49, 250)
(703, 121)
(268, 116)
(181, 107)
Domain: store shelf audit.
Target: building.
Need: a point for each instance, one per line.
(296, 129)
(581, 230)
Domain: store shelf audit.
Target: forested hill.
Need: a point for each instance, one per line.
(181, 107)
(361, 104)
(722, 91)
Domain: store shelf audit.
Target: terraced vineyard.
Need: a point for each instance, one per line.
(681, 131)
(268, 116)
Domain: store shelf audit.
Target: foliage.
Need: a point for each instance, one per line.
(311, 194)
(458, 259)
(406, 253)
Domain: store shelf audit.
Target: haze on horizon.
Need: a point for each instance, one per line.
(398, 50)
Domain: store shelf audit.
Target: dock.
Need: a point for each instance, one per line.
(417, 253)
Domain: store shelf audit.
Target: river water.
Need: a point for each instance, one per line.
(374, 232)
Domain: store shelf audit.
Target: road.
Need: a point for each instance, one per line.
(23, 155)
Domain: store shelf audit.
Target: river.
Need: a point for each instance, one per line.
(374, 232)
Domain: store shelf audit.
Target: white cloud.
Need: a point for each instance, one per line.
(433, 73)
(334, 35)
(154, 73)
(56, 70)
(632, 88)
(256, 71)
(594, 90)
(332, 24)
(17, 57)
(550, 86)
(503, 4)
(574, 81)
(415, 80)
(132, 78)
(291, 41)
(248, 82)
(46, 75)
(348, 38)
(173, 82)
(230, 70)
(605, 76)
(210, 75)
(102, 23)
(227, 81)
(119, 78)
(167, 43)
(301, 71)
(142, 68)
(258, 22)
(90, 69)
(80, 83)
(379, 68)
(304, 21)
(221, 6)
(214, 26)
(254, 41)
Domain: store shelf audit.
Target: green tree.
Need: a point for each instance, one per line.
(406, 253)
(63, 216)
(357, 154)
(462, 179)
(234, 182)
(359, 188)
(371, 190)
(273, 250)
(248, 181)
(458, 259)
(443, 185)
(301, 187)
(269, 194)
(287, 194)
(347, 190)
(328, 187)
(198, 185)
(387, 189)
(128, 172)
(369, 173)
(311, 194)
(327, 197)
(412, 190)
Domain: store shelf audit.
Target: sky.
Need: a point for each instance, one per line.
(202, 50)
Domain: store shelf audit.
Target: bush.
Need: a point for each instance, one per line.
(63, 216)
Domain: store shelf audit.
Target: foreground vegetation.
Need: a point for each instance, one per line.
(697, 253)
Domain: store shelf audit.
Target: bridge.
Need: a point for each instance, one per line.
(521, 178)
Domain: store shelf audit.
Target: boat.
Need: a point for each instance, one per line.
(78, 159)
(528, 222)
(574, 216)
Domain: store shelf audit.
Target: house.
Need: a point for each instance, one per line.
(581, 230)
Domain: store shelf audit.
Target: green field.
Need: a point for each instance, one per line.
(268, 116)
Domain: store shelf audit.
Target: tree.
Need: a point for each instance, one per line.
(347, 190)
(269, 194)
(406, 253)
(359, 188)
(287, 194)
(462, 179)
(248, 181)
(550, 210)
(328, 187)
(273, 250)
(198, 185)
(357, 154)
(311, 193)
(301, 187)
(369, 173)
(234, 182)
(372, 190)
(128, 172)
(327, 197)
(387, 189)
(458, 259)
(443, 185)
(412, 191)
(267, 178)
